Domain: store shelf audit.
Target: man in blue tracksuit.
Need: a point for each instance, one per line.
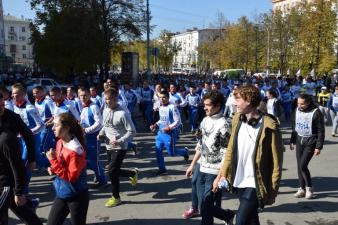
(91, 122)
(147, 101)
(287, 99)
(131, 98)
(30, 116)
(94, 97)
(61, 105)
(193, 100)
(45, 107)
(166, 136)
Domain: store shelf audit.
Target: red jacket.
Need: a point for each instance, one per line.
(70, 160)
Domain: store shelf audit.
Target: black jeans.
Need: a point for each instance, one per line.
(77, 207)
(115, 171)
(24, 213)
(304, 154)
(247, 213)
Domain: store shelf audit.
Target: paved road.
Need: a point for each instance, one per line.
(161, 200)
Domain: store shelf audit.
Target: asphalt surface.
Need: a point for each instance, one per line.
(162, 200)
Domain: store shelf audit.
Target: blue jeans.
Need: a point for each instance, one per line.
(196, 195)
(247, 213)
(210, 209)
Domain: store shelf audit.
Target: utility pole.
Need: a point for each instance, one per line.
(268, 55)
(148, 42)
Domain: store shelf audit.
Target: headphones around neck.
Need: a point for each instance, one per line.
(251, 122)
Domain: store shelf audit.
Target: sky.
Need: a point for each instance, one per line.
(175, 15)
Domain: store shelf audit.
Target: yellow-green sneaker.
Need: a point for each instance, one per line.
(112, 202)
(133, 179)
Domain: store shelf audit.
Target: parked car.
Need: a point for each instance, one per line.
(47, 83)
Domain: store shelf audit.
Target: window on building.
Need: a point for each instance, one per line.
(11, 29)
(13, 55)
(24, 47)
(23, 29)
(23, 38)
(12, 48)
(24, 56)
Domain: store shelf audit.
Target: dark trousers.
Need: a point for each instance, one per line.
(211, 201)
(247, 213)
(77, 207)
(115, 171)
(24, 213)
(304, 154)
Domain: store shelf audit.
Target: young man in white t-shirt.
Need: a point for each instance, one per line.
(253, 161)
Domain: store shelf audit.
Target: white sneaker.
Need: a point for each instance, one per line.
(309, 193)
(300, 193)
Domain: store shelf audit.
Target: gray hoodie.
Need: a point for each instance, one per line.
(117, 124)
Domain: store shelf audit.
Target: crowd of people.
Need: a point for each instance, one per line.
(63, 129)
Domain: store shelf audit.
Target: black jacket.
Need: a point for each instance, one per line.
(318, 129)
(12, 168)
(12, 122)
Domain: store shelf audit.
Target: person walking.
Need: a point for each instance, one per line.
(252, 164)
(214, 134)
(308, 135)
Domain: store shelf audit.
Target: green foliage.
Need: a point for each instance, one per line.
(79, 35)
(167, 49)
(304, 38)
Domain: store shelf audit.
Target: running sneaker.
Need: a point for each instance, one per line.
(190, 213)
(133, 179)
(309, 193)
(300, 193)
(112, 202)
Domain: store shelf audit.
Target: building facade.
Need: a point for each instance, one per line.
(2, 31)
(17, 40)
(189, 42)
(284, 5)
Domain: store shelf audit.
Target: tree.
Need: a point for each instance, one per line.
(167, 49)
(114, 21)
(70, 43)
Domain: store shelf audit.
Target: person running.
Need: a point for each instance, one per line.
(147, 102)
(94, 97)
(13, 181)
(61, 105)
(308, 135)
(91, 123)
(45, 107)
(323, 98)
(68, 163)
(193, 100)
(117, 131)
(30, 115)
(332, 104)
(166, 137)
